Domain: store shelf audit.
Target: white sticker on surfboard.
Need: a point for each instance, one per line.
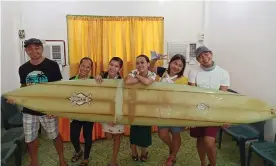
(202, 107)
(79, 99)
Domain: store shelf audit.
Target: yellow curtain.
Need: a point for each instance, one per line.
(102, 37)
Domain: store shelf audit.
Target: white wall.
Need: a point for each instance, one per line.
(10, 50)
(243, 36)
(47, 20)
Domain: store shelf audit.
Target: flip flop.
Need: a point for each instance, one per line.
(144, 158)
(76, 157)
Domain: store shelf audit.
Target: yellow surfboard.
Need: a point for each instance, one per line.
(158, 104)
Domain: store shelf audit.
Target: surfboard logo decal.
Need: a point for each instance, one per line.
(80, 99)
(202, 107)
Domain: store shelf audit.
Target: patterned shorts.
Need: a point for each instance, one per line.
(116, 129)
(31, 124)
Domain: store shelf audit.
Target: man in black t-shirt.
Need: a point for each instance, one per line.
(39, 69)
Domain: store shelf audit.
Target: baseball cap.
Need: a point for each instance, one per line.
(201, 49)
(32, 41)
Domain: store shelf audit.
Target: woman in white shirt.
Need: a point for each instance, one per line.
(140, 135)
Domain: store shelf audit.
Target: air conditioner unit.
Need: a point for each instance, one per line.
(183, 48)
(54, 50)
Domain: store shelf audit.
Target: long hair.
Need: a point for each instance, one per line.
(87, 58)
(183, 60)
(118, 59)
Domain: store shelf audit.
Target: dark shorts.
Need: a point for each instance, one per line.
(140, 136)
(204, 131)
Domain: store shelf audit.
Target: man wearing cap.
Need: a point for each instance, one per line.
(39, 69)
(207, 75)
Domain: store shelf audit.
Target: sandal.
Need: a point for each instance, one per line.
(76, 157)
(170, 162)
(144, 158)
(134, 158)
(84, 163)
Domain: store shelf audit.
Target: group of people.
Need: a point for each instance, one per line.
(207, 75)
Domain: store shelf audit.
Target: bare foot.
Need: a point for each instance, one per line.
(63, 163)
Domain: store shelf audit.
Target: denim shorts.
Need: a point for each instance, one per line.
(172, 129)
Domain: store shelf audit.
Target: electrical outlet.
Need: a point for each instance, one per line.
(201, 37)
(21, 34)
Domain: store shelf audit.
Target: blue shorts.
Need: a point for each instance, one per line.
(172, 129)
